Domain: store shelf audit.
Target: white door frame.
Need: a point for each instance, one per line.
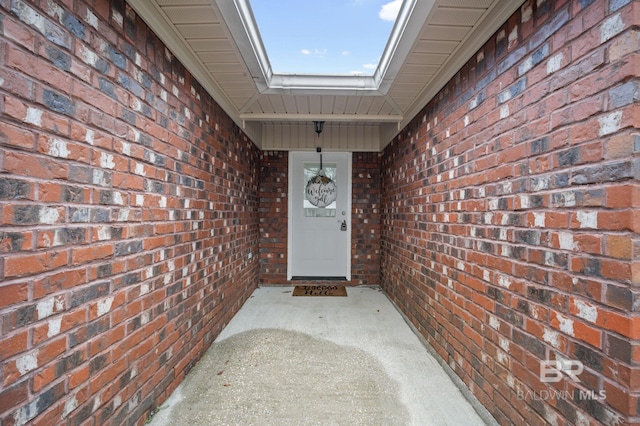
(292, 159)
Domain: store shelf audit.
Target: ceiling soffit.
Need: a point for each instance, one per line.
(219, 43)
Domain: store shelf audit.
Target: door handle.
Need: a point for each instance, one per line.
(343, 225)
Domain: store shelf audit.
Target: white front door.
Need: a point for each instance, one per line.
(319, 226)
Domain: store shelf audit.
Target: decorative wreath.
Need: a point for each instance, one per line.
(321, 190)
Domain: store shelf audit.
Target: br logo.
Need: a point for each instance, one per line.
(551, 370)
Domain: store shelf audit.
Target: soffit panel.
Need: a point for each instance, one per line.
(435, 46)
(195, 31)
(182, 2)
(224, 64)
(214, 45)
(414, 71)
(457, 16)
(190, 14)
(445, 33)
(480, 4)
(230, 67)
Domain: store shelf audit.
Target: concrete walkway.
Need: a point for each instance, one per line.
(286, 360)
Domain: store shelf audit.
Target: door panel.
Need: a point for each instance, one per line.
(319, 202)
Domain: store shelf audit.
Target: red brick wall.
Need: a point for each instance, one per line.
(365, 220)
(274, 186)
(510, 215)
(129, 211)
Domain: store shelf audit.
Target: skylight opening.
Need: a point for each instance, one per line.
(327, 37)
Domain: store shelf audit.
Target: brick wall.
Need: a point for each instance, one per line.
(129, 211)
(510, 215)
(274, 209)
(365, 219)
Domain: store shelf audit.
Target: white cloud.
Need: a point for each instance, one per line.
(389, 11)
(370, 66)
(305, 52)
(320, 52)
(346, 53)
(357, 73)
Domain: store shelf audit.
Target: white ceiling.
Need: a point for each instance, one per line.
(219, 43)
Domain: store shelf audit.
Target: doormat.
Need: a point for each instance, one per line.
(320, 290)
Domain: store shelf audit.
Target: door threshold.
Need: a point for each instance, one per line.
(301, 278)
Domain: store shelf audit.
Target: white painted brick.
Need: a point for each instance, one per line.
(140, 169)
(117, 18)
(91, 19)
(49, 215)
(526, 66)
(104, 233)
(504, 344)
(70, 405)
(566, 241)
(611, 27)
(566, 324)
(54, 326)
(539, 219)
(552, 337)
(555, 63)
(123, 214)
(58, 148)
(494, 322)
(117, 198)
(126, 148)
(104, 306)
(586, 311)
(144, 288)
(504, 111)
(588, 220)
(504, 281)
(34, 116)
(610, 123)
(99, 177)
(106, 161)
(28, 362)
(88, 56)
(89, 137)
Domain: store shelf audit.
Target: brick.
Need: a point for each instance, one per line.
(38, 167)
(13, 345)
(16, 137)
(59, 281)
(14, 396)
(43, 401)
(13, 294)
(84, 255)
(39, 70)
(619, 246)
(32, 264)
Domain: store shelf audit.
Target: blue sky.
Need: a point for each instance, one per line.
(325, 36)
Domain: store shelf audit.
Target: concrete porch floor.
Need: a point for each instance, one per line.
(285, 360)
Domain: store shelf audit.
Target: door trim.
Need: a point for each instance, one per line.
(292, 159)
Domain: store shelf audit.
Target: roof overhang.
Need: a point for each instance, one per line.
(219, 42)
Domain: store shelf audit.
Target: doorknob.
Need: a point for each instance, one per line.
(343, 225)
